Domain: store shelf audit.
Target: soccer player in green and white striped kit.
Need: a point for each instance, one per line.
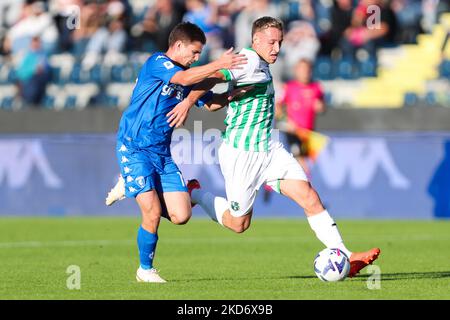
(248, 156)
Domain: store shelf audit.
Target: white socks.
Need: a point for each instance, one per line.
(327, 232)
(214, 206)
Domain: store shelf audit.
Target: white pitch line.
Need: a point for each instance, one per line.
(64, 243)
(188, 241)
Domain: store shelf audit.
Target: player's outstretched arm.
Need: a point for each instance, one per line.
(221, 100)
(228, 60)
(178, 115)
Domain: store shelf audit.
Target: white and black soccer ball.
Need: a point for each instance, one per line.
(331, 265)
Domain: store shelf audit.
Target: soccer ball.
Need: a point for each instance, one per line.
(331, 265)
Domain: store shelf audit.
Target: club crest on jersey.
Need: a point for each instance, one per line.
(140, 181)
(234, 205)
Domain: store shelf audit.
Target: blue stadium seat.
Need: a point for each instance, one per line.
(116, 73)
(431, 98)
(368, 68)
(55, 73)
(411, 99)
(110, 101)
(95, 74)
(345, 69)
(7, 103)
(12, 76)
(323, 69)
(70, 102)
(444, 69)
(328, 98)
(49, 102)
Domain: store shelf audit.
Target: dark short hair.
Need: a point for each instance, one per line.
(266, 22)
(186, 32)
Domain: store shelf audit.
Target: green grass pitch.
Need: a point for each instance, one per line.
(201, 260)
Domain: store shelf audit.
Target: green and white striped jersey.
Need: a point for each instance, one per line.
(250, 118)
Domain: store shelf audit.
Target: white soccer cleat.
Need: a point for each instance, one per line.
(117, 192)
(150, 275)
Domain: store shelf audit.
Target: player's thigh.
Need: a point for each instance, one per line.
(171, 185)
(241, 171)
(178, 206)
(150, 206)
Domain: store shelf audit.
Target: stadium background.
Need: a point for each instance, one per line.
(388, 104)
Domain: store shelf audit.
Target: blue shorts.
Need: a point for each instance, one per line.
(144, 170)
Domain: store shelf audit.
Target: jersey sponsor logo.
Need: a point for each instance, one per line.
(172, 91)
(20, 159)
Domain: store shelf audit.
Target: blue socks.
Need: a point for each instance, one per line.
(147, 245)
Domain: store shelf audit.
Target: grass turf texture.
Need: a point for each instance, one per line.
(201, 260)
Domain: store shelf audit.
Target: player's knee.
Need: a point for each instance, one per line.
(180, 218)
(240, 227)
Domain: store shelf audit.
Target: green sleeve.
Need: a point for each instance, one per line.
(227, 74)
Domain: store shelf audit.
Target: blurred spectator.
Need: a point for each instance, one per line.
(300, 42)
(67, 18)
(409, 14)
(93, 15)
(152, 33)
(302, 99)
(33, 73)
(35, 21)
(360, 34)
(205, 15)
(10, 11)
(341, 18)
(102, 33)
(252, 10)
(431, 11)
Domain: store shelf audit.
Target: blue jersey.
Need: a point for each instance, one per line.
(144, 123)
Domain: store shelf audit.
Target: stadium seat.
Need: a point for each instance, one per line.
(119, 94)
(49, 102)
(368, 68)
(71, 101)
(323, 69)
(411, 99)
(7, 103)
(444, 69)
(55, 73)
(345, 69)
(430, 99)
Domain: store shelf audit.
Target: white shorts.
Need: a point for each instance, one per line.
(246, 171)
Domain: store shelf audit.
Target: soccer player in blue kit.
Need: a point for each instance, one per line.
(144, 136)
